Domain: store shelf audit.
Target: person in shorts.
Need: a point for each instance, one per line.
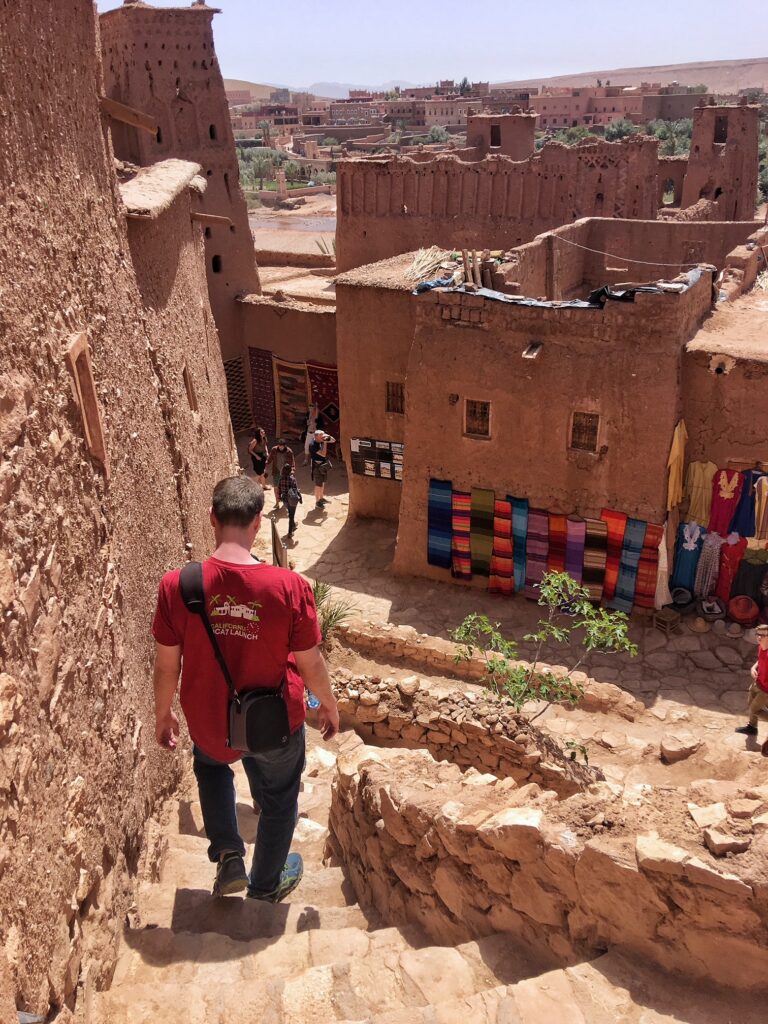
(321, 465)
(279, 456)
(758, 690)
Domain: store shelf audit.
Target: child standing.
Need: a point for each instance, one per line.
(758, 691)
(290, 495)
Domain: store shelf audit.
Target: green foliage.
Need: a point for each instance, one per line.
(699, 88)
(574, 747)
(674, 136)
(292, 170)
(329, 140)
(332, 612)
(570, 136)
(569, 612)
(465, 86)
(619, 130)
(438, 134)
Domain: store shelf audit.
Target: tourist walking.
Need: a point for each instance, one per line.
(245, 637)
(321, 465)
(758, 690)
(258, 449)
(314, 421)
(279, 456)
(290, 495)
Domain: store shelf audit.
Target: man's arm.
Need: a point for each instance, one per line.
(314, 672)
(166, 678)
(753, 671)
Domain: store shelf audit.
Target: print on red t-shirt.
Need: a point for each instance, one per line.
(260, 614)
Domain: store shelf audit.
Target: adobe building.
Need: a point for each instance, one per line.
(162, 62)
(499, 388)
(113, 427)
(482, 197)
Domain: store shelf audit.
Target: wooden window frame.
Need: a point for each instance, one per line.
(77, 355)
(471, 433)
(395, 396)
(572, 424)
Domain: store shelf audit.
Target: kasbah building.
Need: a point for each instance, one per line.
(583, 388)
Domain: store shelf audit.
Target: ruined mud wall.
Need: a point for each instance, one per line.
(621, 362)
(80, 555)
(723, 161)
(393, 206)
(467, 855)
(163, 63)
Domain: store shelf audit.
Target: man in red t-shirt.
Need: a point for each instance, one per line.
(758, 691)
(265, 622)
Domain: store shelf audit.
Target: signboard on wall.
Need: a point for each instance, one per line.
(380, 459)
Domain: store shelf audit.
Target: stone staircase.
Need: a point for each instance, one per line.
(193, 959)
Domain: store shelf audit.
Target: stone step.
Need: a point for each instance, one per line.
(152, 955)
(217, 981)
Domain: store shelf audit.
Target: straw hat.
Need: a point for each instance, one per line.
(734, 630)
(699, 625)
(718, 626)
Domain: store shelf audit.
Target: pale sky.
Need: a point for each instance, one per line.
(368, 42)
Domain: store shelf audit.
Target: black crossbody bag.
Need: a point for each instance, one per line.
(258, 718)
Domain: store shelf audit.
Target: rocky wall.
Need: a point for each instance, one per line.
(468, 729)
(81, 551)
(468, 855)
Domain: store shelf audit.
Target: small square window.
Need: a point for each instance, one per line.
(395, 397)
(584, 430)
(477, 418)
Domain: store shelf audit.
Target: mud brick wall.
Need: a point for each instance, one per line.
(465, 856)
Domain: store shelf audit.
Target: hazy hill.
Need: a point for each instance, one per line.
(258, 92)
(325, 90)
(720, 76)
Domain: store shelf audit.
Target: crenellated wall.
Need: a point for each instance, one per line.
(396, 205)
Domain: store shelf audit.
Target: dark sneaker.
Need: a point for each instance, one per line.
(747, 730)
(231, 876)
(290, 877)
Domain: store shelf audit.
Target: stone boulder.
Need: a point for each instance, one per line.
(677, 746)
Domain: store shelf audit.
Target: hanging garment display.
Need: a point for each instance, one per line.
(750, 574)
(647, 569)
(595, 554)
(708, 566)
(663, 595)
(675, 466)
(731, 553)
(761, 508)
(698, 491)
(263, 390)
(726, 491)
(743, 521)
(616, 523)
(461, 563)
(624, 596)
(481, 530)
(519, 536)
(558, 536)
(536, 547)
(502, 568)
(690, 538)
(439, 529)
(576, 530)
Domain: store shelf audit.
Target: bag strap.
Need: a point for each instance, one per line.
(193, 596)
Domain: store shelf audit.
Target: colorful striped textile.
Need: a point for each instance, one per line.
(536, 546)
(616, 523)
(263, 391)
(291, 397)
(502, 566)
(558, 535)
(324, 389)
(519, 535)
(481, 530)
(595, 551)
(576, 530)
(624, 597)
(461, 564)
(439, 523)
(645, 588)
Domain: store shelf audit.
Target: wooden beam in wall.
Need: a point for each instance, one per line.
(128, 115)
(210, 218)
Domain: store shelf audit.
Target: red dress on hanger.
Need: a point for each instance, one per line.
(726, 491)
(730, 557)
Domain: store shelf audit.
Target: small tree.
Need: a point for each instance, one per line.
(329, 140)
(438, 134)
(261, 168)
(465, 86)
(292, 170)
(619, 130)
(266, 132)
(569, 610)
(332, 612)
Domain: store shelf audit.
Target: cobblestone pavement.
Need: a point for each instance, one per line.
(707, 671)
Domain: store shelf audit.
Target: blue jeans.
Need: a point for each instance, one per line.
(274, 779)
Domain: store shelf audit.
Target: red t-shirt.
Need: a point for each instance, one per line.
(259, 614)
(762, 669)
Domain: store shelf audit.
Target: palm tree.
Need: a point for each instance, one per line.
(266, 132)
(291, 169)
(260, 168)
